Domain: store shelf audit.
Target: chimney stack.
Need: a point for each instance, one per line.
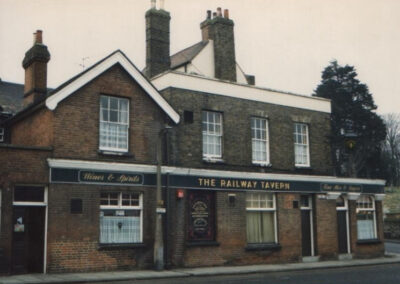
(35, 65)
(157, 40)
(220, 30)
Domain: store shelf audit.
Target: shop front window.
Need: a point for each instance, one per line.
(261, 218)
(120, 218)
(366, 218)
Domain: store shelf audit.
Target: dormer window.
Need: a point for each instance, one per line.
(114, 124)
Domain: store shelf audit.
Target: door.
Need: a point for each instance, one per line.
(28, 239)
(342, 225)
(307, 230)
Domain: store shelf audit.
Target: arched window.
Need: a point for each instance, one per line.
(366, 218)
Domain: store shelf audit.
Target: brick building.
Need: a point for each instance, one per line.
(245, 170)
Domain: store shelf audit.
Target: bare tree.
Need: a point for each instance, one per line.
(391, 148)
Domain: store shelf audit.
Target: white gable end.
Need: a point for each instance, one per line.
(117, 57)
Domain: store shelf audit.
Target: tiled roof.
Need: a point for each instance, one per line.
(186, 55)
(11, 96)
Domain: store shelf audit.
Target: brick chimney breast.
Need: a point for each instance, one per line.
(35, 65)
(157, 42)
(220, 30)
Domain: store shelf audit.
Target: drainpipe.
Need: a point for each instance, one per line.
(160, 209)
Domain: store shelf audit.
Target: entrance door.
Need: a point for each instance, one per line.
(307, 230)
(342, 225)
(28, 239)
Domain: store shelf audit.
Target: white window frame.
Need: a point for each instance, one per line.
(255, 139)
(205, 134)
(266, 209)
(306, 145)
(127, 208)
(2, 134)
(367, 209)
(114, 149)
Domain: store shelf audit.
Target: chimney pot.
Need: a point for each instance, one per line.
(219, 12)
(38, 37)
(208, 14)
(226, 14)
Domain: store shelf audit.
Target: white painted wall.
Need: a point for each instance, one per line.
(203, 63)
(241, 91)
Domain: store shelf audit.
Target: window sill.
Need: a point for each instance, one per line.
(263, 246)
(264, 165)
(369, 242)
(302, 167)
(121, 246)
(202, 243)
(114, 153)
(213, 161)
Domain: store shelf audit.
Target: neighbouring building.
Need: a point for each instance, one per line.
(246, 174)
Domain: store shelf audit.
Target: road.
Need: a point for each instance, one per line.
(380, 274)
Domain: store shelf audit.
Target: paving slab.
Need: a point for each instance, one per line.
(186, 272)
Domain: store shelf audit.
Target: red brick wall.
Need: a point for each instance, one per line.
(76, 124)
(73, 239)
(35, 130)
(326, 228)
(18, 167)
(231, 235)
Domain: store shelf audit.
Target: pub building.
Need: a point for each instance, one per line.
(185, 164)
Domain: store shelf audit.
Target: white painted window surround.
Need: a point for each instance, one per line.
(212, 134)
(121, 218)
(260, 141)
(114, 124)
(261, 223)
(366, 218)
(301, 145)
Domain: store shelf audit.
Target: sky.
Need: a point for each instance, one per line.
(285, 43)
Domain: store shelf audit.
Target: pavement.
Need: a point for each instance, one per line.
(188, 272)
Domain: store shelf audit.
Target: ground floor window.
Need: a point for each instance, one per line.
(261, 218)
(121, 218)
(366, 218)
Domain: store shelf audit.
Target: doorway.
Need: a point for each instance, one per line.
(343, 225)
(29, 230)
(307, 226)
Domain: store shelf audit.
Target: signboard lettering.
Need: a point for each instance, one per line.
(106, 177)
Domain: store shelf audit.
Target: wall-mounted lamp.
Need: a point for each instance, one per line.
(180, 193)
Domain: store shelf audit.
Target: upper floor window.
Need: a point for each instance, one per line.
(114, 124)
(301, 145)
(121, 217)
(259, 140)
(212, 135)
(366, 219)
(261, 218)
(1, 134)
